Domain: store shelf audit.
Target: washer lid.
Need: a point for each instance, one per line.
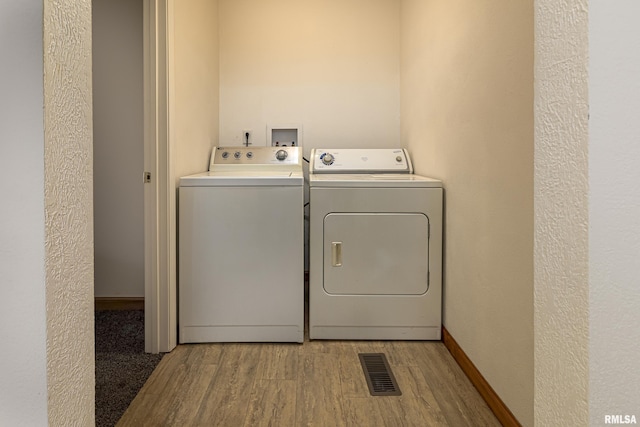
(243, 179)
(364, 180)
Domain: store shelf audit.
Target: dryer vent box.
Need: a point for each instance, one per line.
(284, 136)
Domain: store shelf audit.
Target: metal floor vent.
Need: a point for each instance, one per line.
(379, 377)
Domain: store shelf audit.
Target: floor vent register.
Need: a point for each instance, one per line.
(378, 373)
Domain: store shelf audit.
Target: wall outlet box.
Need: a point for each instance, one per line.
(288, 135)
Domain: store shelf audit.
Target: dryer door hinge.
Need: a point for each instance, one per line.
(147, 177)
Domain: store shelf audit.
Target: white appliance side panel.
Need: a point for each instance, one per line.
(376, 253)
(241, 260)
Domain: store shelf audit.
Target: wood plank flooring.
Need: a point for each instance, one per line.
(318, 383)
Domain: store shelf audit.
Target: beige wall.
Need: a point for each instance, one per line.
(467, 118)
(68, 203)
(194, 69)
(118, 148)
(330, 65)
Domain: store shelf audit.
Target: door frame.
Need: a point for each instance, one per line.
(159, 192)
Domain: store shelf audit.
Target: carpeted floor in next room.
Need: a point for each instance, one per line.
(122, 366)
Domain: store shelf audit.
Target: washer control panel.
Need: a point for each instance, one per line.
(258, 156)
(356, 160)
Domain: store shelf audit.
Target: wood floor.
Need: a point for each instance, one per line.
(318, 383)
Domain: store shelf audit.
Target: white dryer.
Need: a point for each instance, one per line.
(375, 247)
(241, 249)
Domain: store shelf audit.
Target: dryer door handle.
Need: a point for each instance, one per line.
(336, 254)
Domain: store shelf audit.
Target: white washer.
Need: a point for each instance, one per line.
(375, 247)
(241, 263)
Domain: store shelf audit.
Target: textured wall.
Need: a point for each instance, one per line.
(467, 118)
(195, 67)
(561, 251)
(118, 148)
(23, 385)
(69, 212)
(614, 209)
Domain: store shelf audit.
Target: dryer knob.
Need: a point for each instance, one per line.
(281, 154)
(225, 154)
(327, 159)
(237, 154)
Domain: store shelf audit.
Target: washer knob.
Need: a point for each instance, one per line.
(327, 159)
(225, 154)
(249, 155)
(281, 154)
(398, 159)
(237, 154)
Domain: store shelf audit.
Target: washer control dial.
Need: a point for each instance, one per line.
(249, 155)
(225, 154)
(281, 154)
(237, 154)
(327, 158)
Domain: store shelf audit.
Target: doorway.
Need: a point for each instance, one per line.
(131, 215)
(118, 150)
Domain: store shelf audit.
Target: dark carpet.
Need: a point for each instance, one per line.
(122, 366)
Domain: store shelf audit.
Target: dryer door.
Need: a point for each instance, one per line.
(376, 253)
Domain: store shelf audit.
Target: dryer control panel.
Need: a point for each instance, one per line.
(355, 160)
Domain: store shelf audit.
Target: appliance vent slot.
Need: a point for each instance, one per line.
(378, 373)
